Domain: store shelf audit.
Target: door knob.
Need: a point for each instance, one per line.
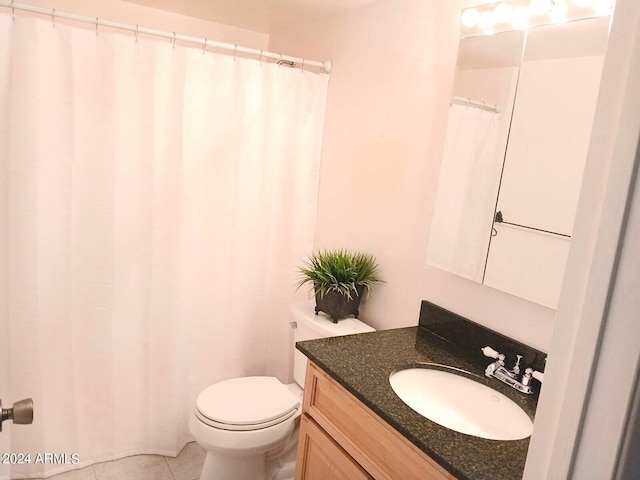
(21, 413)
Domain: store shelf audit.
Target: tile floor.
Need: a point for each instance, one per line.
(186, 466)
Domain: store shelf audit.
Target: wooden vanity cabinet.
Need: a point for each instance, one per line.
(323, 457)
(341, 438)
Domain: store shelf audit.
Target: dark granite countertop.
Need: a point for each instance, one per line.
(362, 364)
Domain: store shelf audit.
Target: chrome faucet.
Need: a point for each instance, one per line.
(510, 377)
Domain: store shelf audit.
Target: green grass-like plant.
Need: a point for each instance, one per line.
(340, 271)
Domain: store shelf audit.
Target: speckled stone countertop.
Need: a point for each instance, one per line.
(362, 364)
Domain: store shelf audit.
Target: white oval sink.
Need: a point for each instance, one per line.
(446, 397)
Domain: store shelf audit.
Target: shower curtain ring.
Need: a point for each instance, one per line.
(97, 20)
(204, 46)
(173, 41)
(302, 67)
(260, 59)
(53, 18)
(235, 47)
(136, 33)
(13, 11)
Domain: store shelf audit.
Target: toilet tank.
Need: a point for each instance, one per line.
(309, 326)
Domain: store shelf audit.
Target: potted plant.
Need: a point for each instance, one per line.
(339, 279)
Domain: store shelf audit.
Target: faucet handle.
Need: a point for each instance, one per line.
(491, 353)
(499, 363)
(538, 375)
(516, 367)
(530, 372)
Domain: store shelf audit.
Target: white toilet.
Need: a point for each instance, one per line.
(248, 425)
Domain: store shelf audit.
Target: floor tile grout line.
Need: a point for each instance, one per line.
(173, 475)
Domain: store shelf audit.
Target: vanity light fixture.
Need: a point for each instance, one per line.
(560, 6)
(540, 7)
(602, 7)
(506, 15)
(558, 12)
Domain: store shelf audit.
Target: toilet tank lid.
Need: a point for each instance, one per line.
(323, 325)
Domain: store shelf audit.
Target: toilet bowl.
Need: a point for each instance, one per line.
(248, 426)
(240, 421)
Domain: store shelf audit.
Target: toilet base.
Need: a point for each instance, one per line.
(222, 466)
(274, 463)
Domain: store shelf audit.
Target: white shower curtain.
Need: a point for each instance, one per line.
(155, 203)
(465, 201)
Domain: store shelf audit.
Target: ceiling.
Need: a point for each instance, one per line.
(265, 16)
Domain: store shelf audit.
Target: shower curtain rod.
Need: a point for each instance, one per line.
(475, 103)
(53, 13)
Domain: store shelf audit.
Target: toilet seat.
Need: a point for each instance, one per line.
(246, 403)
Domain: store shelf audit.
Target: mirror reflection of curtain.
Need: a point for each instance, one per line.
(463, 209)
(155, 202)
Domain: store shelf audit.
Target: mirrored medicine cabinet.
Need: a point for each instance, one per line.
(516, 143)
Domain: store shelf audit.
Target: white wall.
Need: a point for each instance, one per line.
(386, 114)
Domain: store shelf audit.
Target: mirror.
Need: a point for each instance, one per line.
(516, 143)
(473, 154)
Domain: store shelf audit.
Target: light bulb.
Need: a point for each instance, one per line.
(582, 3)
(470, 17)
(520, 18)
(502, 13)
(486, 21)
(540, 7)
(602, 7)
(559, 7)
(558, 11)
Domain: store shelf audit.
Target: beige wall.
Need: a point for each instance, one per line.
(386, 113)
(119, 11)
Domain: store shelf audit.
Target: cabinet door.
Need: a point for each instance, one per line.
(321, 458)
(380, 449)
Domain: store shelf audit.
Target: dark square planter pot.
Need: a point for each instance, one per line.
(338, 306)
